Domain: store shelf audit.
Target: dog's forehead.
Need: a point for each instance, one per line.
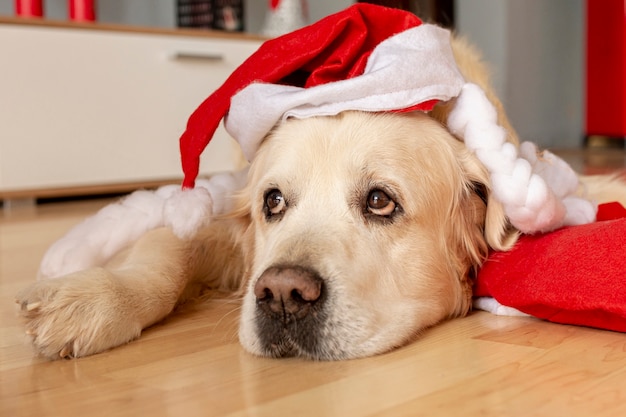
(356, 144)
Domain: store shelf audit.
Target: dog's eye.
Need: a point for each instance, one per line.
(380, 204)
(274, 203)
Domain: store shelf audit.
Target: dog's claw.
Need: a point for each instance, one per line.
(33, 306)
(66, 352)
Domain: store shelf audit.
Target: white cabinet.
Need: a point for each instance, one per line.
(84, 107)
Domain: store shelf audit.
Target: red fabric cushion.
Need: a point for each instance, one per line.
(575, 275)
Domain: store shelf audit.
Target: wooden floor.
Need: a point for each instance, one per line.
(192, 364)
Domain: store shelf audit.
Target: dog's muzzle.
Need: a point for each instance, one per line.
(289, 301)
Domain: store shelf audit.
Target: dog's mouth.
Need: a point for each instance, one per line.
(284, 347)
(289, 344)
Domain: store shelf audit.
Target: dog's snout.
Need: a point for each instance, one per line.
(288, 291)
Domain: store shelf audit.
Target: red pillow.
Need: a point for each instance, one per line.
(574, 275)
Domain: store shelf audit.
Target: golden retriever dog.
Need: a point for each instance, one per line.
(353, 234)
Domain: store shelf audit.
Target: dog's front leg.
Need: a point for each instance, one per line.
(99, 308)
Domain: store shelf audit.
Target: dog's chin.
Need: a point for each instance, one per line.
(285, 346)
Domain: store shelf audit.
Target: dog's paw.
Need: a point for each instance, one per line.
(76, 315)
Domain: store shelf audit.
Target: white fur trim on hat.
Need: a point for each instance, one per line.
(538, 192)
(491, 305)
(94, 241)
(412, 67)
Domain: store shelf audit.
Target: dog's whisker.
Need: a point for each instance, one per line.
(232, 326)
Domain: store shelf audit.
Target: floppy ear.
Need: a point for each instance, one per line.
(477, 224)
(497, 231)
(480, 223)
(239, 221)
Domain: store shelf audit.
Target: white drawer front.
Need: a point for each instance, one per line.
(84, 107)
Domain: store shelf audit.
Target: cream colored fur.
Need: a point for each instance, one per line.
(387, 275)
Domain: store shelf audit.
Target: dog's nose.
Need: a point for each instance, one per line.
(288, 291)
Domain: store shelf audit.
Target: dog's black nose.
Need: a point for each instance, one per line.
(288, 292)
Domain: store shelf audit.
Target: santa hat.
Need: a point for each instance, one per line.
(378, 59)
(330, 51)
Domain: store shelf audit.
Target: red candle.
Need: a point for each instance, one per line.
(29, 8)
(82, 10)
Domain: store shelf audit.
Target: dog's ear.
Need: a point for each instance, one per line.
(497, 231)
(241, 229)
(477, 224)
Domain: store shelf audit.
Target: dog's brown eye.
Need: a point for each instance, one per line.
(274, 203)
(380, 204)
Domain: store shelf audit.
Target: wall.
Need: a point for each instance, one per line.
(535, 48)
